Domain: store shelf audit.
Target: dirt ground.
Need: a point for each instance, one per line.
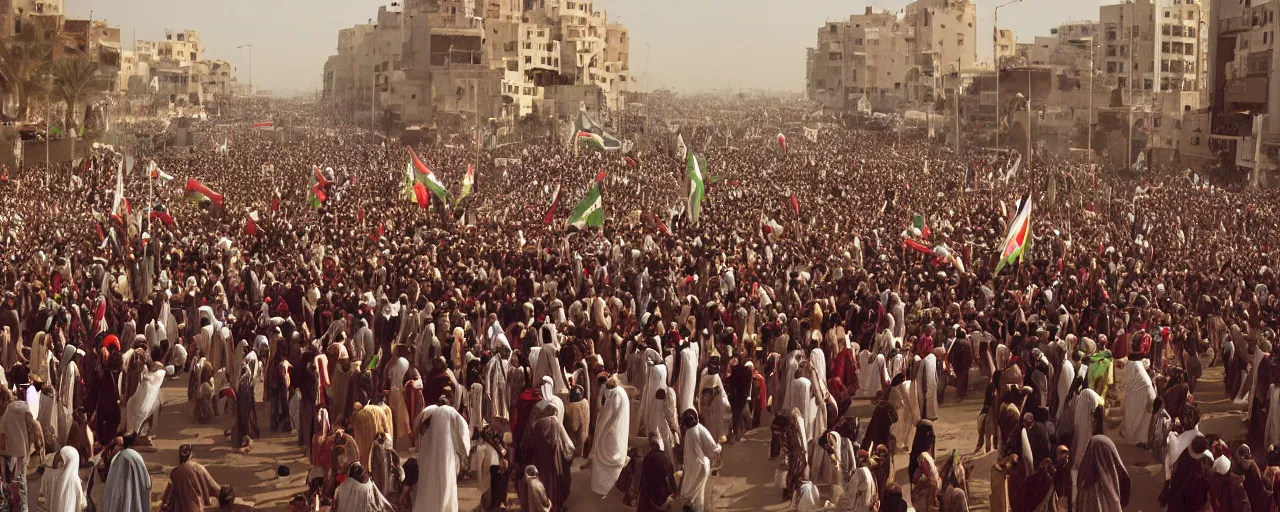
(745, 482)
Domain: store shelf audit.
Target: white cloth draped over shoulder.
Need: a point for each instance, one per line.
(609, 452)
(1139, 394)
(445, 440)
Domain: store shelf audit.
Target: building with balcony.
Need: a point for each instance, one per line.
(892, 59)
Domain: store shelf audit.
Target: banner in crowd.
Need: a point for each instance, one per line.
(590, 210)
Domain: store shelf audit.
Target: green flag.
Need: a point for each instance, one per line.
(590, 210)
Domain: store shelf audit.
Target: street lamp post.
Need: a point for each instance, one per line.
(250, 47)
(995, 54)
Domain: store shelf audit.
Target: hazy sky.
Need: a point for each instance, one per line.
(697, 45)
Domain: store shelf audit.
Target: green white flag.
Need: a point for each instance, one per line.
(590, 210)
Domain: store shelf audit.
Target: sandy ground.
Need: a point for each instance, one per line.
(745, 482)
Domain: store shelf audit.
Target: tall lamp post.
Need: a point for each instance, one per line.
(1087, 42)
(995, 54)
(250, 47)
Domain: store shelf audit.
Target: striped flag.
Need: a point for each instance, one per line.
(428, 179)
(1016, 241)
(196, 192)
(590, 210)
(155, 172)
(317, 196)
(551, 210)
(590, 140)
(251, 224)
(467, 182)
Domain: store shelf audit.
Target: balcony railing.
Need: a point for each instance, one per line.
(1235, 25)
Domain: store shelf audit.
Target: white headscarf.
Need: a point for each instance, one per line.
(61, 488)
(128, 484)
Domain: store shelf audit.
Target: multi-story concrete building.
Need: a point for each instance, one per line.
(491, 58)
(16, 16)
(895, 60)
(1006, 45)
(1243, 87)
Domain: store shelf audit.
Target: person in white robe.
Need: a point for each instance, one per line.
(358, 493)
(547, 363)
(442, 440)
(128, 485)
(864, 379)
(686, 383)
(790, 364)
(1139, 394)
(1066, 375)
(495, 384)
(48, 417)
(549, 398)
(609, 452)
(907, 403)
(661, 419)
(699, 449)
(145, 402)
(800, 396)
(1271, 435)
(69, 375)
(860, 492)
(475, 408)
(807, 499)
(657, 379)
(61, 486)
(926, 380)
(1246, 389)
(713, 404)
(1086, 402)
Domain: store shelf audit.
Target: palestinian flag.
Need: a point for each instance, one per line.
(1015, 243)
(584, 123)
(251, 224)
(267, 125)
(197, 192)
(782, 142)
(467, 182)
(917, 222)
(428, 179)
(155, 173)
(317, 196)
(697, 189)
(551, 210)
(590, 211)
(590, 140)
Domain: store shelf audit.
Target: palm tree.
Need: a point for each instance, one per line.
(23, 66)
(73, 79)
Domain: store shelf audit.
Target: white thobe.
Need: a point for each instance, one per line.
(609, 452)
(699, 447)
(1138, 397)
(927, 387)
(445, 441)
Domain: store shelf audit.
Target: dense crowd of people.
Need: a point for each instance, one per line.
(830, 293)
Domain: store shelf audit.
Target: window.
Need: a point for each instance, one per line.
(960, 39)
(833, 28)
(1191, 32)
(1111, 35)
(1164, 66)
(1111, 50)
(528, 60)
(1166, 30)
(1111, 67)
(1122, 82)
(1146, 84)
(1136, 32)
(1124, 51)
(1189, 49)
(1164, 47)
(528, 45)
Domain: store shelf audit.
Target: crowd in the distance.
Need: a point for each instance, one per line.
(838, 293)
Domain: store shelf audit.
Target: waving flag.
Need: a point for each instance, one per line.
(251, 224)
(275, 200)
(428, 179)
(119, 205)
(682, 150)
(1015, 243)
(317, 196)
(697, 188)
(601, 139)
(467, 182)
(267, 125)
(782, 142)
(197, 192)
(590, 211)
(551, 210)
(155, 172)
(590, 140)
